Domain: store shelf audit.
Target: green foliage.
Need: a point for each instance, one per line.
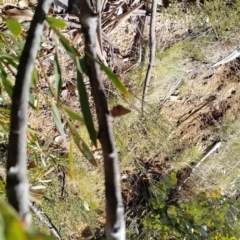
(82, 146)
(83, 98)
(223, 16)
(14, 26)
(208, 215)
(113, 78)
(58, 76)
(55, 23)
(12, 228)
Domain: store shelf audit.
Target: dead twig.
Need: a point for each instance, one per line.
(152, 51)
(173, 88)
(109, 16)
(202, 105)
(137, 45)
(116, 21)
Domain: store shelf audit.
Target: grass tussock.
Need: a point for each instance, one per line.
(221, 170)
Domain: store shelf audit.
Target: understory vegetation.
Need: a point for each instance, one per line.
(179, 158)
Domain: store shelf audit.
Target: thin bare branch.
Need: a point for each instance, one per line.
(152, 51)
(115, 224)
(17, 181)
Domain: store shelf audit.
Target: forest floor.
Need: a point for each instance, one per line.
(190, 108)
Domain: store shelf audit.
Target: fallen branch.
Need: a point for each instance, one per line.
(152, 51)
(209, 151)
(45, 221)
(17, 181)
(189, 171)
(229, 58)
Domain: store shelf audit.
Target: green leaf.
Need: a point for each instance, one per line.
(58, 76)
(7, 86)
(55, 22)
(57, 120)
(172, 213)
(34, 77)
(32, 234)
(71, 51)
(93, 205)
(11, 37)
(74, 116)
(2, 71)
(12, 226)
(14, 26)
(173, 179)
(2, 187)
(70, 155)
(85, 104)
(115, 80)
(112, 77)
(82, 146)
(4, 110)
(202, 230)
(10, 59)
(21, 44)
(2, 231)
(32, 101)
(83, 65)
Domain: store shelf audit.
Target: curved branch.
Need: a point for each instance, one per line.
(17, 181)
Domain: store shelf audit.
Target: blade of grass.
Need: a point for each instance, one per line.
(57, 121)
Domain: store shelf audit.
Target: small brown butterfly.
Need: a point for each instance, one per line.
(119, 110)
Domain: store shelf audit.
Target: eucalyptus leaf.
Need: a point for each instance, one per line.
(58, 76)
(14, 26)
(55, 22)
(85, 104)
(74, 116)
(82, 146)
(112, 77)
(57, 121)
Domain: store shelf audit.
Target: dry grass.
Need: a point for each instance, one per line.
(155, 137)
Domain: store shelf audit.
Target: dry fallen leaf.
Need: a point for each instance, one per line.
(119, 110)
(21, 15)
